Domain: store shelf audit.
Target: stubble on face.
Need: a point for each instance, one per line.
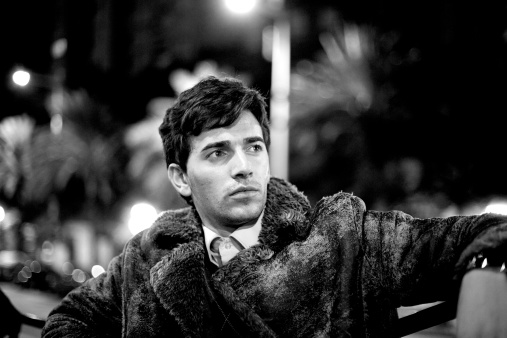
(228, 173)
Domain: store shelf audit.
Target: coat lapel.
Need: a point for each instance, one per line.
(174, 244)
(178, 281)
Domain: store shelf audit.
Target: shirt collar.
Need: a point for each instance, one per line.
(247, 235)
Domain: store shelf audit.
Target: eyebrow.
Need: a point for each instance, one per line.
(253, 139)
(213, 145)
(222, 144)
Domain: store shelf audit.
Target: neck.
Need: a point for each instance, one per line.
(226, 230)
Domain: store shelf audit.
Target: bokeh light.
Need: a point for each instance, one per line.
(2, 213)
(59, 48)
(26, 272)
(67, 268)
(21, 276)
(497, 208)
(35, 267)
(21, 78)
(47, 251)
(142, 216)
(240, 6)
(97, 270)
(78, 275)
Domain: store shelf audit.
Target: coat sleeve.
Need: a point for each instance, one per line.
(91, 310)
(414, 261)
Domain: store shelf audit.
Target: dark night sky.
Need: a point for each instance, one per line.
(457, 94)
(26, 29)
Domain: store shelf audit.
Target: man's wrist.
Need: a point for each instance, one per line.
(481, 262)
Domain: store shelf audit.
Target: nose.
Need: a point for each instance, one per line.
(240, 166)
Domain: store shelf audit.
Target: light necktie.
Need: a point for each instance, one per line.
(224, 249)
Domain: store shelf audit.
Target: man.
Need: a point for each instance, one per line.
(250, 258)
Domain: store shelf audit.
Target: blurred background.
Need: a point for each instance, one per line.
(401, 103)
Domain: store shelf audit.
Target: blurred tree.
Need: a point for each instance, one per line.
(329, 150)
(15, 149)
(146, 166)
(76, 162)
(349, 127)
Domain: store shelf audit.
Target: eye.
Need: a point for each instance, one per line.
(216, 154)
(257, 147)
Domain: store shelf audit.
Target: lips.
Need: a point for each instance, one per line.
(244, 189)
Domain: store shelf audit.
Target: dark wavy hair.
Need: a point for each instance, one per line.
(211, 103)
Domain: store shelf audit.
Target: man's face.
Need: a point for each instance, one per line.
(228, 173)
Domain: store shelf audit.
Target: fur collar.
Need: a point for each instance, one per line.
(174, 246)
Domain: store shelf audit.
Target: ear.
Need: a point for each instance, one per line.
(179, 179)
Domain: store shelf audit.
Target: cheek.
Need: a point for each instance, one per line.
(267, 172)
(203, 185)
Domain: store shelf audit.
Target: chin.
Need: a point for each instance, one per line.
(244, 215)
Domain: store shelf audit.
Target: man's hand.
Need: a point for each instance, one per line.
(482, 305)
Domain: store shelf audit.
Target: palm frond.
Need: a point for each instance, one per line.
(15, 136)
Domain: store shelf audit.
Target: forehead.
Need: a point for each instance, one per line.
(246, 126)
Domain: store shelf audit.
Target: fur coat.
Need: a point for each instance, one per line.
(337, 270)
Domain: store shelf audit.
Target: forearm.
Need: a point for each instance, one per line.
(421, 260)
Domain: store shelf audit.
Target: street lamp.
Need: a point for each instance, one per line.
(280, 82)
(25, 79)
(21, 77)
(240, 6)
(2, 213)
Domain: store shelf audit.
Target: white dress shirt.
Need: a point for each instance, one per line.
(242, 238)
